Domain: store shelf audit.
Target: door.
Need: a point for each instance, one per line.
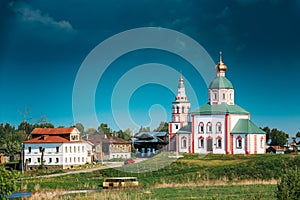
(209, 145)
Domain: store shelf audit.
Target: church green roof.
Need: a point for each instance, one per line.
(246, 126)
(222, 108)
(220, 82)
(186, 129)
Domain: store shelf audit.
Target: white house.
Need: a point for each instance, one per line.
(220, 126)
(60, 147)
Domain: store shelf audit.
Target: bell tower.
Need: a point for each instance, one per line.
(180, 109)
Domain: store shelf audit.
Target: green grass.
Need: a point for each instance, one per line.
(249, 192)
(192, 168)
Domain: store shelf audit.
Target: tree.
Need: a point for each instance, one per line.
(90, 131)
(80, 127)
(163, 127)
(104, 129)
(298, 134)
(144, 129)
(267, 130)
(279, 138)
(123, 135)
(289, 186)
(8, 184)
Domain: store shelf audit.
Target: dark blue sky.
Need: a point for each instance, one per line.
(44, 43)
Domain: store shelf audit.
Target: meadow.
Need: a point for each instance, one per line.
(162, 177)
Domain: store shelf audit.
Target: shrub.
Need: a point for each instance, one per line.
(289, 186)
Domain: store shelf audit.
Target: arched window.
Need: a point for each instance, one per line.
(215, 96)
(182, 110)
(209, 127)
(218, 127)
(219, 143)
(183, 142)
(201, 127)
(201, 142)
(224, 96)
(239, 143)
(177, 109)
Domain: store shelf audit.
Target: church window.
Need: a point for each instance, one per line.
(201, 127)
(219, 142)
(183, 142)
(176, 126)
(262, 142)
(230, 96)
(219, 127)
(209, 127)
(182, 109)
(224, 95)
(215, 96)
(177, 109)
(201, 142)
(239, 144)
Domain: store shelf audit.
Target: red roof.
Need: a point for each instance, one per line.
(50, 139)
(277, 148)
(51, 131)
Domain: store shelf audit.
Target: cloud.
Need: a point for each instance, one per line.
(31, 15)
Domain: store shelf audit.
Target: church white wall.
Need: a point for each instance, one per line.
(236, 149)
(214, 134)
(180, 144)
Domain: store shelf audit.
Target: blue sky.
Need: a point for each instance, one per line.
(44, 43)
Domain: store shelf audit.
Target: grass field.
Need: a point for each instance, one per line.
(159, 176)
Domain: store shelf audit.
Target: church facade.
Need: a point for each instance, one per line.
(219, 127)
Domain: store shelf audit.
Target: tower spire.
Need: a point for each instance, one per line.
(221, 67)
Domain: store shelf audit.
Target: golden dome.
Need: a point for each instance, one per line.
(221, 66)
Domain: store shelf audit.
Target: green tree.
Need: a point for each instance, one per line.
(104, 129)
(267, 130)
(144, 129)
(90, 131)
(123, 135)
(298, 134)
(278, 137)
(8, 184)
(289, 186)
(163, 127)
(80, 127)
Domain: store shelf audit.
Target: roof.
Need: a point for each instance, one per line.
(50, 139)
(150, 134)
(246, 126)
(220, 82)
(52, 131)
(277, 148)
(149, 137)
(222, 108)
(98, 138)
(186, 129)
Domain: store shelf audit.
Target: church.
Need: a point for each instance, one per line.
(218, 127)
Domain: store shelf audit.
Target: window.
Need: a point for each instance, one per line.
(201, 127)
(183, 142)
(176, 126)
(262, 142)
(218, 127)
(209, 127)
(70, 159)
(74, 159)
(74, 149)
(78, 159)
(224, 96)
(230, 96)
(82, 159)
(82, 148)
(29, 160)
(50, 160)
(57, 149)
(66, 149)
(70, 149)
(39, 160)
(66, 160)
(219, 142)
(201, 142)
(78, 149)
(215, 96)
(89, 153)
(239, 144)
(57, 160)
(182, 109)
(177, 109)
(29, 149)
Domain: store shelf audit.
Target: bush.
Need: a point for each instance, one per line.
(289, 186)
(7, 182)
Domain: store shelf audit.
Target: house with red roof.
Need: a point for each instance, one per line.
(56, 148)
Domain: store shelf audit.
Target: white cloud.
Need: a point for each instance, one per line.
(29, 14)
